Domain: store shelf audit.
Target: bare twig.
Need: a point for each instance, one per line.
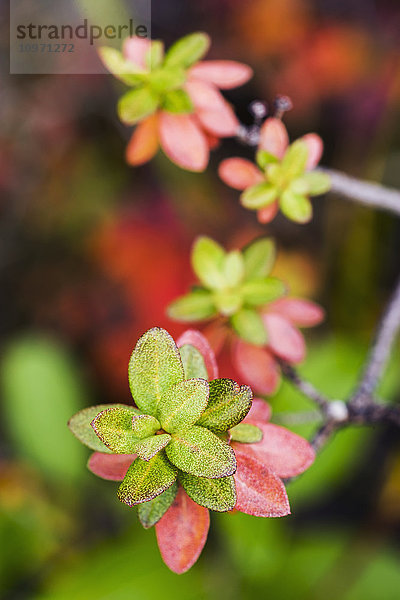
(306, 388)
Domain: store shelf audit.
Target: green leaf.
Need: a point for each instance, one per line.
(228, 405)
(296, 207)
(259, 258)
(199, 452)
(151, 512)
(113, 427)
(80, 425)
(294, 162)
(148, 447)
(144, 425)
(264, 158)
(154, 367)
(195, 306)
(215, 494)
(165, 80)
(177, 101)
(228, 301)
(146, 480)
(249, 326)
(182, 405)
(115, 62)
(188, 50)
(233, 268)
(261, 291)
(259, 195)
(135, 105)
(246, 433)
(207, 260)
(313, 184)
(155, 56)
(193, 362)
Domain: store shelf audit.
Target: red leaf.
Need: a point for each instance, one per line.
(182, 533)
(183, 141)
(110, 466)
(259, 491)
(267, 214)
(239, 173)
(274, 137)
(315, 149)
(225, 74)
(257, 367)
(284, 339)
(302, 313)
(260, 411)
(284, 452)
(197, 339)
(144, 142)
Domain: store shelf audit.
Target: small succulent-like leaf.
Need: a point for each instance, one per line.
(259, 258)
(182, 533)
(249, 326)
(188, 50)
(147, 479)
(181, 406)
(313, 184)
(164, 80)
(207, 260)
(193, 362)
(80, 425)
(233, 268)
(264, 158)
(228, 405)
(110, 466)
(199, 452)
(115, 62)
(155, 55)
(144, 425)
(113, 427)
(228, 302)
(192, 337)
(151, 512)
(259, 195)
(150, 446)
(246, 433)
(215, 494)
(259, 491)
(296, 207)
(260, 291)
(137, 104)
(177, 101)
(295, 160)
(154, 367)
(195, 306)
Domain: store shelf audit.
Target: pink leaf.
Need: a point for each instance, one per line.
(204, 95)
(259, 491)
(135, 50)
(259, 411)
(302, 313)
(197, 339)
(315, 149)
(182, 533)
(144, 142)
(257, 367)
(274, 137)
(225, 74)
(183, 141)
(221, 121)
(110, 466)
(284, 339)
(284, 452)
(267, 214)
(239, 173)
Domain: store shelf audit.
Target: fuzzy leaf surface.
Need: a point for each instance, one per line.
(150, 446)
(246, 433)
(193, 362)
(114, 428)
(144, 426)
(214, 494)
(228, 405)
(182, 405)
(155, 366)
(151, 512)
(199, 452)
(188, 50)
(146, 479)
(110, 466)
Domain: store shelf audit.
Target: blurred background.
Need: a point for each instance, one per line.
(92, 251)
